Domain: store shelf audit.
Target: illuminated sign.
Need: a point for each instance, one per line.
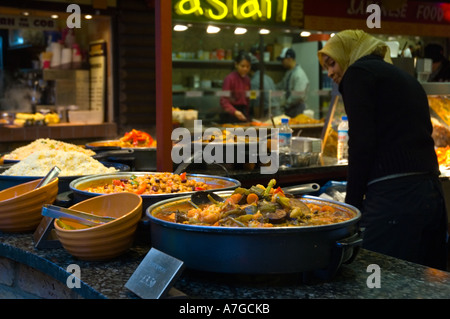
(23, 22)
(232, 10)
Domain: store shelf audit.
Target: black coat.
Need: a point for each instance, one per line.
(389, 125)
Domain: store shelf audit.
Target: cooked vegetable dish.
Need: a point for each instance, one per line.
(158, 183)
(132, 139)
(257, 206)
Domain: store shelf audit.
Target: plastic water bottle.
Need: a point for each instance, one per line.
(342, 147)
(284, 143)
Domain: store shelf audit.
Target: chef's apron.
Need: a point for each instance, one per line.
(406, 218)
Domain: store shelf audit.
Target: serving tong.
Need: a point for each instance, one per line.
(80, 217)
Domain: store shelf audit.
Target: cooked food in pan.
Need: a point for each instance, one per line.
(134, 138)
(158, 183)
(257, 206)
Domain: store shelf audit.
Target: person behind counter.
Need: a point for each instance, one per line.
(295, 82)
(393, 173)
(440, 69)
(268, 85)
(237, 82)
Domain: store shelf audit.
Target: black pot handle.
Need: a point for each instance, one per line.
(353, 242)
(301, 189)
(339, 253)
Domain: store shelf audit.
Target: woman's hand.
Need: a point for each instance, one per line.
(240, 116)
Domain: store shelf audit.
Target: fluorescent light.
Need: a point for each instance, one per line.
(264, 31)
(180, 27)
(305, 34)
(212, 29)
(239, 30)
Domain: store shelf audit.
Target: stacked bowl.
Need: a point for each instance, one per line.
(105, 241)
(21, 205)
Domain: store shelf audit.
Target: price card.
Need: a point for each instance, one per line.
(155, 275)
(43, 236)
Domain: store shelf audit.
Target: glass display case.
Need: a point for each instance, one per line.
(439, 101)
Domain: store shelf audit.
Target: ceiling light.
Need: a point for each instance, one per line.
(212, 29)
(54, 16)
(264, 31)
(240, 30)
(26, 13)
(180, 27)
(88, 17)
(305, 34)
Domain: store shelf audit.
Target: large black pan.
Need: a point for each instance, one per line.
(7, 181)
(277, 250)
(139, 158)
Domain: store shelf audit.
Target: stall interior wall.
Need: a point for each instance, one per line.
(136, 66)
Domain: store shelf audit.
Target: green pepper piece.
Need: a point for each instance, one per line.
(267, 207)
(241, 190)
(283, 201)
(269, 187)
(213, 200)
(257, 190)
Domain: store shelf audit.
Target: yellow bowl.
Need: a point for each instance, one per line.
(108, 240)
(21, 205)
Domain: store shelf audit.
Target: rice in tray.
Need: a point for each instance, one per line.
(71, 163)
(45, 144)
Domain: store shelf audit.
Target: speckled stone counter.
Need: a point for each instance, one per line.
(398, 279)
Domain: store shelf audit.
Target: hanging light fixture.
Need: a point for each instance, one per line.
(212, 29)
(180, 27)
(239, 30)
(305, 34)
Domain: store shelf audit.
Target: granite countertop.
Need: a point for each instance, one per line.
(398, 279)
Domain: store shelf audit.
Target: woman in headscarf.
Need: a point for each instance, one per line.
(393, 173)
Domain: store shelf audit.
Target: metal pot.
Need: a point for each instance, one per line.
(305, 151)
(233, 153)
(274, 250)
(79, 194)
(7, 181)
(138, 158)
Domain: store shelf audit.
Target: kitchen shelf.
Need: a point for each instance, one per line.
(61, 131)
(189, 63)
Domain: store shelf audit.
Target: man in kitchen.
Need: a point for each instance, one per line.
(295, 82)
